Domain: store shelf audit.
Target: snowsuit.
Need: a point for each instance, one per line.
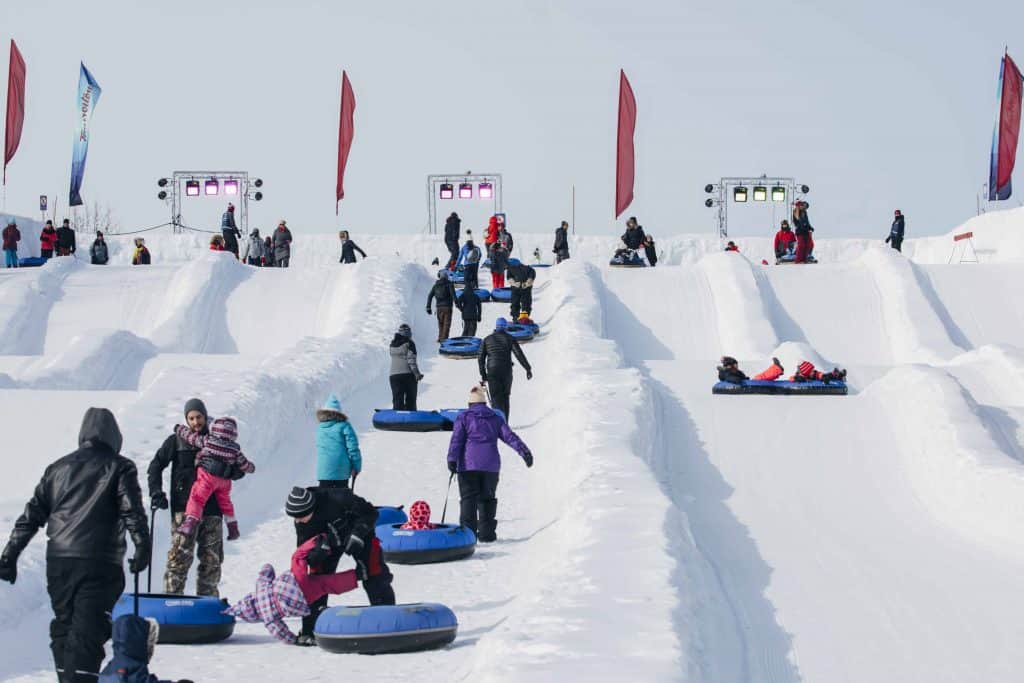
(219, 457)
(895, 238)
(499, 263)
(419, 517)
(254, 250)
(452, 226)
(784, 241)
(731, 375)
(473, 450)
(469, 259)
(11, 237)
(804, 242)
(86, 500)
(807, 372)
(141, 256)
(98, 252)
(561, 248)
(444, 292)
(230, 232)
(348, 514)
(290, 594)
(47, 242)
(651, 251)
(337, 447)
(521, 286)
(470, 306)
(348, 251)
(134, 641)
(405, 373)
(65, 241)
(495, 363)
(282, 246)
(770, 374)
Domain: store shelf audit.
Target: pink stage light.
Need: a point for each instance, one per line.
(465, 190)
(230, 187)
(447, 191)
(191, 188)
(211, 187)
(486, 190)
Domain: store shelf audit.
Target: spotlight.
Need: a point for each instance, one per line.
(760, 193)
(465, 190)
(161, 195)
(709, 202)
(709, 188)
(258, 182)
(162, 182)
(211, 187)
(447, 191)
(485, 191)
(778, 194)
(230, 187)
(739, 194)
(191, 188)
(805, 189)
(258, 196)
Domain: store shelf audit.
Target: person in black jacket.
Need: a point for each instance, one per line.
(521, 277)
(452, 226)
(65, 239)
(470, 306)
(208, 541)
(496, 365)
(86, 500)
(561, 248)
(350, 521)
(348, 248)
(633, 238)
(895, 238)
(229, 230)
(443, 292)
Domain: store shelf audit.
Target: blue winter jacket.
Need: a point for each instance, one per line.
(468, 255)
(130, 663)
(337, 447)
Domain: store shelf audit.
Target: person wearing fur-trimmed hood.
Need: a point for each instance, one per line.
(337, 447)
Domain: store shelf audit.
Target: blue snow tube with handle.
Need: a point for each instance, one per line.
(782, 387)
(452, 414)
(408, 420)
(461, 347)
(501, 295)
(387, 514)
(483, 294)
(444, 543)
(183, 619)
(521, 333)
(385, 628)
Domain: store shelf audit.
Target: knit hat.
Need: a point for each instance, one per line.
(729, 360)
(333, 403)
(195, 404)
(300, 502)
(231, 207)
(225, 428)
(419, 516)
(442, 274)
(404, 330)
(477, 395)
(500, 324)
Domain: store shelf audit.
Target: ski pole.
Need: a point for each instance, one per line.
(444, 511)
(149, 571)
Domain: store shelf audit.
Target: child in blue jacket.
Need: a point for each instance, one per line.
(337, 448)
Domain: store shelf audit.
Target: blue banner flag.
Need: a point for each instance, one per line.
(88, 96)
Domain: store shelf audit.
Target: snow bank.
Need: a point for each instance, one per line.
(956, 465)
(744, 326)
(26, 297)
(99, 360)
(998, 238)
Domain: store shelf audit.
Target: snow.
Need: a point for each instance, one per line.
(663, 533)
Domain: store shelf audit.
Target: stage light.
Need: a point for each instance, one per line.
(230, 187)
(162, 182)
(161, 195)
(447, 191)
(739, 194)
(709, 202)
(465, 190)
(778, 194)
(760, 193)
(258, 182)
(485, 190)
(709, 188)
(191, 188)
(805, 189)
(211, 187)
(258, 196)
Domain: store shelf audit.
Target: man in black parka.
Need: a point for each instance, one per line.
(451, 237)
(495, 362)
(86, 500)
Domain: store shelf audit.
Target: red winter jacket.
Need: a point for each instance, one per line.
(11, 237)
(784, 238)
(48, 240)
(492, 231)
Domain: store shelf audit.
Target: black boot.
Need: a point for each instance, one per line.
(488, 523)
(467, 513)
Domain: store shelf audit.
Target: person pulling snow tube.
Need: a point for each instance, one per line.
(782, 387)
(627, 259)
(483, 294)
(461, 347)
(183, 619)
(521, 333)
(409, 421)
(387, 514)
(443, 543)
(385, 629)
(501, 295)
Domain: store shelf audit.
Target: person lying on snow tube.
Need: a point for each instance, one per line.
(291, 593)
(419, 517)
(806, 372)
(135, 640)
(729, 371)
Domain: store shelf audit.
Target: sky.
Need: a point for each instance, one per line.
(874, 105)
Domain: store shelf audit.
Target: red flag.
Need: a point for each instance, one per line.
(624, 162)
(1009, 121)
(346, 131)
(15, 105)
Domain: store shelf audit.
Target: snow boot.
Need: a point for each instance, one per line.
(188, 527)
(488, 523)
(233, 533)
(775, 361)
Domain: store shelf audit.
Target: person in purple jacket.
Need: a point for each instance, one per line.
(473, 455)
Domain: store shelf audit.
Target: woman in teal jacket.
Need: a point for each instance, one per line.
(337, 448)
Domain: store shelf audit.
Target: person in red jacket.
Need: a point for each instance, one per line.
(785, 240)
(492, 232)
(47, 240)
(731, 246)
(11, 238)
(216, 243)
(806, 372)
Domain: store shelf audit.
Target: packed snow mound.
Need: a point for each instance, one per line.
(97, 360)
(998, 238)
(25, 302)
(744, 326)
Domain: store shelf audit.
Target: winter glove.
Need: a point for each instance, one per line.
(528, 458)
(354, 545)
(362, 573)
(306, 640)
(158, 501)
(419, 377)
(453, 467)
(138, 564)
(429, 312)
(529, 374)
(8, 569)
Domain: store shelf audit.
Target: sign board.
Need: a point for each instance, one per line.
(42, 203)
(963, 236)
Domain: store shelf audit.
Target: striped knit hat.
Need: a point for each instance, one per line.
(300, 502)
(805, 369)
(225, 428)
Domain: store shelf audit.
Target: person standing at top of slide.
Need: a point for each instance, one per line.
(895, 238)
(229, 231)
(452, 226)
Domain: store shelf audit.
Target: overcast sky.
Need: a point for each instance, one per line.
(874, 105)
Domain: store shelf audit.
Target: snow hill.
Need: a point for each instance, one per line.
(664, 533)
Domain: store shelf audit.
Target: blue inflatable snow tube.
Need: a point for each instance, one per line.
(484, 294)
(457, 276)
(514, 261)
(183, 619)
(409, 421)
(445, 543)
(452, 414)
(628, 262)
(387, 514)
(385, 628)
(521, 333)
(782, 387)
(501, 294)
(31, 261)
(461, 347)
